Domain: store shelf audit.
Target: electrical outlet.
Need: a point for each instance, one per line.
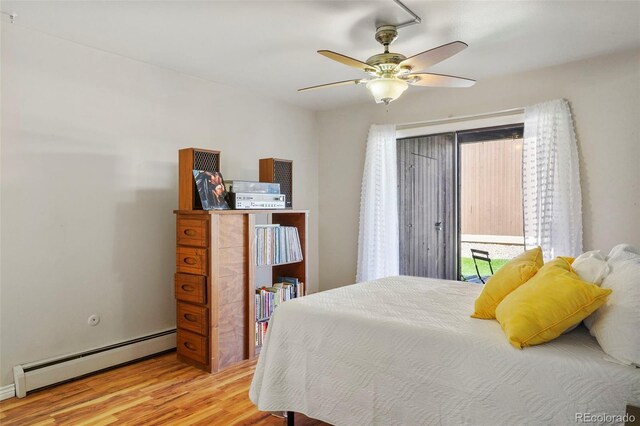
(94, 320)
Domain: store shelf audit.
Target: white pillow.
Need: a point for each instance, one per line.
(591, 267)
(616, 325)
(622, 251)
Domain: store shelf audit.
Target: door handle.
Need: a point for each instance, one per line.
(438, 226)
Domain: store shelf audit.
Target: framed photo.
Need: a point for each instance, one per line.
(211, 189)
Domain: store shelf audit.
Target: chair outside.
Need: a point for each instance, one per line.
(482, 256)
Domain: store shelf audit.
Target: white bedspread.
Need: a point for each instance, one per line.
(404, 351)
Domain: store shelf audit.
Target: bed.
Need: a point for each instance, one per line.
(404, 351)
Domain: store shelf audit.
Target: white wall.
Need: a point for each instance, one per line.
(89, 182)
(604, 93)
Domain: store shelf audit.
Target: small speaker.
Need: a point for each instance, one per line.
(279, 171)
(190, 159)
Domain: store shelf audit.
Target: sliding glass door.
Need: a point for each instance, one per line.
(458, 192)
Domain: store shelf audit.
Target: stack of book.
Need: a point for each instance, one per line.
(267, 299)
(277, 244)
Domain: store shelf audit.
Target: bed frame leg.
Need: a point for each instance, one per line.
(290, 418)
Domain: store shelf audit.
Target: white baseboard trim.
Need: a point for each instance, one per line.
(47, 372)
(7, 392)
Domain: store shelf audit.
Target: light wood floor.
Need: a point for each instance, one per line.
(157, 391)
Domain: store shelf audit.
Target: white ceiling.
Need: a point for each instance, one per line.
(270, 46)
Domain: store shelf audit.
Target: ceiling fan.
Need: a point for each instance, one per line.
(391, 73)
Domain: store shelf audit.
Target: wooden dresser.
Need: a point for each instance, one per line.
(215, 282)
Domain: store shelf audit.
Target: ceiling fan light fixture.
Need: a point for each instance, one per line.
(386, 89)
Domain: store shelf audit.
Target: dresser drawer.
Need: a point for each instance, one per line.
(192, 318)
(192, 346)
(192, 232)
(191, 288)
(191, 260)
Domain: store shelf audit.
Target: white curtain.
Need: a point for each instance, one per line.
(551, 180)
(378, 253)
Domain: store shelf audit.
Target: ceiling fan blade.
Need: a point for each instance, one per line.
(346, 60)
(433, 56)
(437, 80)
(337, 83)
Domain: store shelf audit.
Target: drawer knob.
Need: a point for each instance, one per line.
(190, 261)
(189, 232)
(187, 288)
(190, 317)
(190, 346)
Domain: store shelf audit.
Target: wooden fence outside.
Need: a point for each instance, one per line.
(491, 188)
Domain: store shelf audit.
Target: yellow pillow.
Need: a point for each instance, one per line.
(548, 304)
(511, 276)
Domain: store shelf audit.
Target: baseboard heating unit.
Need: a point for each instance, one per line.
(36, 375)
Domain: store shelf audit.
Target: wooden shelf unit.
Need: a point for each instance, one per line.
(215, 282)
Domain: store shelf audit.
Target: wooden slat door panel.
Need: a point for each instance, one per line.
(426, 202)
